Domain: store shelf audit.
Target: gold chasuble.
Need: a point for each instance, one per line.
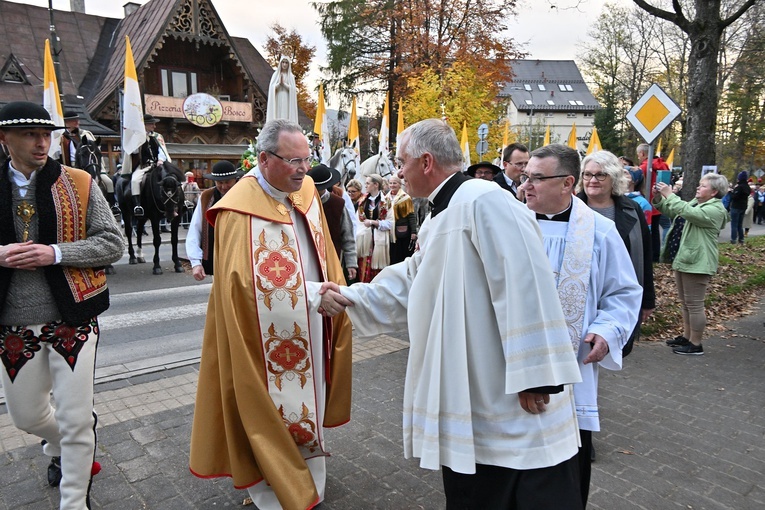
(258, 414)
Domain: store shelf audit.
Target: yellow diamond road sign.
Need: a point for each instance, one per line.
(653, 113)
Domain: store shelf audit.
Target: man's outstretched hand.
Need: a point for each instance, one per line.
(332, 302)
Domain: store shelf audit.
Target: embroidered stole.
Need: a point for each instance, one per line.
(71, 194)
(574, 273)
(281, 300)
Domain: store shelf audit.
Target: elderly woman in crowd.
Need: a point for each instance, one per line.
(354, 191)
(405, 221)
(692, 248)
(602, 187)
(373, 235)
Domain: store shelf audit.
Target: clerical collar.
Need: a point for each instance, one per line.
(564, 215)
(274, 193)
(442, 195)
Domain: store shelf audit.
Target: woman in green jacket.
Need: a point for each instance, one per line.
(692, 248)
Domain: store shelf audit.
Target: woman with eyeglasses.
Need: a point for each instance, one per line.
(602, 187)
(373, 235)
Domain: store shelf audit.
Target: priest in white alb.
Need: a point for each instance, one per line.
(595, 278)
(488, 392)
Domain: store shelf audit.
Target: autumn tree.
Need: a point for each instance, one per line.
(377, 45)
(291, 44)
(741, 123)
(461, 93)
(704, 26)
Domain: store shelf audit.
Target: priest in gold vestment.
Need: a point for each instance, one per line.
(273, 372)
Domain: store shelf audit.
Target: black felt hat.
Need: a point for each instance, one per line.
(483, 164)
(71, 115)
(24, 114)
(150, 119)
(324, 177)
(223, 171)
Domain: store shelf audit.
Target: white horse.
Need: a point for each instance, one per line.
(377, 164)
(346, 161)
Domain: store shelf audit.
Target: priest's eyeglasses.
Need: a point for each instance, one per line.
(536, 179)
(294, 162)
(600, 176)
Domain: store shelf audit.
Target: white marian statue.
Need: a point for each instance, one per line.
(282, 93)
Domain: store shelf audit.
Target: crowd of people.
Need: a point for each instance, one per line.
(515, 284)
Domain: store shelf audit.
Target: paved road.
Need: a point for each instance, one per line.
(678, 433)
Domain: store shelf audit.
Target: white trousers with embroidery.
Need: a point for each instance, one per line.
(69, 428)
(265, 498)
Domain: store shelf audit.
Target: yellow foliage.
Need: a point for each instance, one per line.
(461, 94)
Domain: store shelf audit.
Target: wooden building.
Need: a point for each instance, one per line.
(184, 58)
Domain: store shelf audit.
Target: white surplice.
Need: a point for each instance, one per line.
(485, 323)
(613, 299)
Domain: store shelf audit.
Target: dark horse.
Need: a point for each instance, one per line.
(161, 197)
(87, 156)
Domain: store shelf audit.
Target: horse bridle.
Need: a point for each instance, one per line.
(92, 159)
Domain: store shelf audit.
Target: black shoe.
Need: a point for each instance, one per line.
(54, 472)
(678, 341)
(689, 350)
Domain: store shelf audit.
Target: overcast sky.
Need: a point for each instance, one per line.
(547, 33)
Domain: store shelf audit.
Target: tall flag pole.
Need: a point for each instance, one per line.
(353, 133)
(52, 103)
(594, 144)
(572, 137)
(385, 127)
(133, 129)
(321, 128)
(547, 136)
(465, 145)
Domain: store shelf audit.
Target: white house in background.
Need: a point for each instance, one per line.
(549, 93)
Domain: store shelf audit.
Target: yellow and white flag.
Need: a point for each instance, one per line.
(594, 144)
(547, 136)
(52, 103)
(321, 128)
(385, 128)
(671, 158)
(133, 129)
(572, 138)
(353, 133)
(658, 149)
(465, 146)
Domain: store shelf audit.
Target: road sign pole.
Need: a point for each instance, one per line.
(648, 173)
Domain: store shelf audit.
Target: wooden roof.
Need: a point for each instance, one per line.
(23, 31)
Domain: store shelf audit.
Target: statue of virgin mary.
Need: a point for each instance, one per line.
(282, 93)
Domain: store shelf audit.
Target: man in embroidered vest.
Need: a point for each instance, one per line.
(56, 234)
(596, 282)
(339, 221)
(72, 139)
(273, 372)
(200, 241)
(487, 397)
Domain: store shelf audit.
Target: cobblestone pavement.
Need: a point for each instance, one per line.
(678, 432)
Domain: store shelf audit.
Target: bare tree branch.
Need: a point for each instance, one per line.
(736, 15)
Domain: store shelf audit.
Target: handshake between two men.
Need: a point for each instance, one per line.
(332, 301)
